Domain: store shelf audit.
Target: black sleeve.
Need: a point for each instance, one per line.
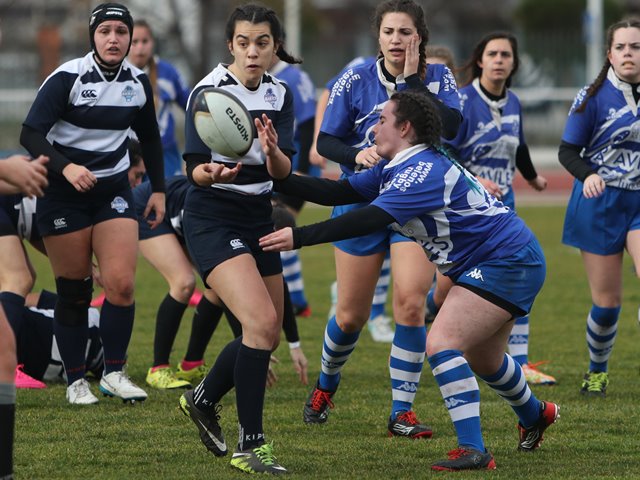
(524, 163)
(146, 127)
(355, 223)
(36, 144)
(450, 117)
(335, 149)
(322, 191)
(289, 322)
(193, 160)
(569, 156)
(306, 139)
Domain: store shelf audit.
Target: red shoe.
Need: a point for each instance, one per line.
(25, 381)
(195, 298)
(98, 301)
(303, 311)
(531, 438)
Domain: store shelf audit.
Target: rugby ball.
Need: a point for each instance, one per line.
(222, 122)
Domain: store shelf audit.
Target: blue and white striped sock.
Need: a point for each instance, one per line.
(405, 366)
(292, 271)
(461, 395)
(510, 384)
(336, 350)
(518, 343)
(382, 289)
(602, 326)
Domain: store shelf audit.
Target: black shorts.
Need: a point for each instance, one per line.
(65, 213)
(212, 240)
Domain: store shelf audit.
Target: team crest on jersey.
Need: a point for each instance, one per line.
(119, 204)
(270, 97)
(128, 93)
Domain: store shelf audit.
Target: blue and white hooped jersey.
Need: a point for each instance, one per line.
(304, 96)
(360, 94)
(443, 207)
(175, 195)
(273, 98)
(171, 89)
(88, 119)
(489, 136)
(609, 131)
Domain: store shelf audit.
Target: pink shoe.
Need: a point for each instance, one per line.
(25, 381)
(98, 301)
(195, 298)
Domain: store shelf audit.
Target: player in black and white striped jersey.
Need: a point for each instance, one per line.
(81, 118)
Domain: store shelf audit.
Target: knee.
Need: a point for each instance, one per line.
(74, 297)
(19, 282)
(119, 290)
(351, 320)
(182, 288)
(408, 309)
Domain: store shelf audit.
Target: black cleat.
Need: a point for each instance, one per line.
(316, 409)
(208, 426)
(465, 459)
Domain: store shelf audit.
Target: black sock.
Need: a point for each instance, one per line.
(116, 325)
(250, 380)
(71, 340)
(168, 320)
(205, 321)
(7, 422)
(220, 378)
(13, 305)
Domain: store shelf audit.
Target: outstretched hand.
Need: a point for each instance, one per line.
(278, 241)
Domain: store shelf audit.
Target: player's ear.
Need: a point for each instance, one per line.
(230, 47)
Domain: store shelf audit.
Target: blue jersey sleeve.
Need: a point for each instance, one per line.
(367, 182)
(338, 118)
(181, 88)
(579, 126)
(304, 97)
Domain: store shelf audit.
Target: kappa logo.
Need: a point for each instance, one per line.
(408, 387)
(119, 204)
(476, 274)
(60, 223)
(89, 94)
(236, 243)
(453, 403)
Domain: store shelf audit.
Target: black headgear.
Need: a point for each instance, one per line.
(105, 12)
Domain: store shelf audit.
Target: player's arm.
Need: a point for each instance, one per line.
(322, 191)
(528, 171)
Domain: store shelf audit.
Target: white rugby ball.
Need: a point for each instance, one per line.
(222, 122)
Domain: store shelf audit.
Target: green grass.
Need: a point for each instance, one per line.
(595, 438)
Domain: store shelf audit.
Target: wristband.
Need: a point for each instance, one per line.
(293, 345)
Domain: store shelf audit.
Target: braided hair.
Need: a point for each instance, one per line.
(254, 13)
(597, 83)
(415, 11)
(472, 70)
(418, 109)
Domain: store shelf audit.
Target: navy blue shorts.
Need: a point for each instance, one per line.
(600, 225)
(211, 241)
(141, 195)
(511, 283)
(58, 214)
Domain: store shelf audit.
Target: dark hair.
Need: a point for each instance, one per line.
(597, 83)
(135, 152)
(254, 13)
(416, 13)
(473, 70)
(418, 109)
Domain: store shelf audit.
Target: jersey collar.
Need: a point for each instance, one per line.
(625, 88)
(404, 155)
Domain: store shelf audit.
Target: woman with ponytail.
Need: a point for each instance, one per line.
(601, 149)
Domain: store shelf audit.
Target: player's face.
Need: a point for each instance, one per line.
(497, 61)
(396, 30)
(136, 174)
(624, 54)
(141, 46)
(253, 49)
(112, 40)
(389, 137)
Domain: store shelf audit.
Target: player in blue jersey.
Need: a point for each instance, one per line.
(601, 150)
(490, 143)
(492, 257)
(346, 137)
(169, 90)
(81, 118)
(17, 174)
(304, 107)
(224, 216)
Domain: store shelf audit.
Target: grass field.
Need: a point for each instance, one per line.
(594, 438)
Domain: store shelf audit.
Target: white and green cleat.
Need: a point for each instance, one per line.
(258, 460)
